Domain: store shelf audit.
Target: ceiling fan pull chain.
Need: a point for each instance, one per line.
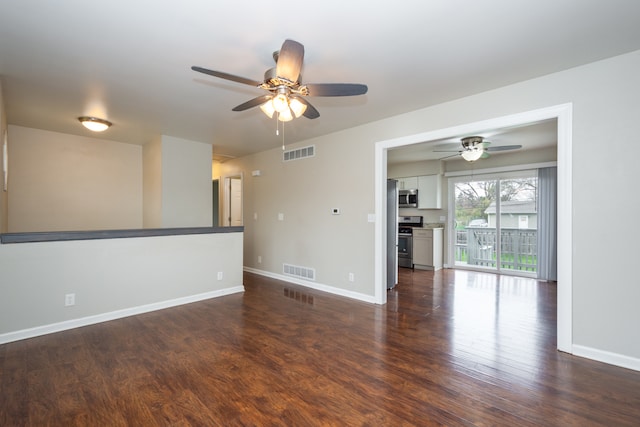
(282, 136)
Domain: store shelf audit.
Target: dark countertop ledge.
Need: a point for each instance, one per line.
(58, 236)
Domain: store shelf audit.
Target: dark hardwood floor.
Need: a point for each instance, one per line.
(450, 348)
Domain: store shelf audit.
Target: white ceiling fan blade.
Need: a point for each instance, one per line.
(503, 148)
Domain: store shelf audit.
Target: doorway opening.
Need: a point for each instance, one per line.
(232, 201)
(563, 115)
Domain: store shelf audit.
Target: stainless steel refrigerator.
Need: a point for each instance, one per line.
(392, 233)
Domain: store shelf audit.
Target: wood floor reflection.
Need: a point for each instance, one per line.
(449, 348)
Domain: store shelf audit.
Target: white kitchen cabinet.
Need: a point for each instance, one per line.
(430, 192)
(407, 183)
(427, 248)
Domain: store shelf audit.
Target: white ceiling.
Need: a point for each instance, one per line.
(129, 61)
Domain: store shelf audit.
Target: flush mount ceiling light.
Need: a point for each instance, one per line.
(94, 124)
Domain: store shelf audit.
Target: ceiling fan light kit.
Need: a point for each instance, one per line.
(475, 147)
(297, 107)
(286, 92)
(285, 106)
(472, 154)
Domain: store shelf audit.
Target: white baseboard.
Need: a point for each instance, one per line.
(113, 315)
(607, 357)
(314, 285)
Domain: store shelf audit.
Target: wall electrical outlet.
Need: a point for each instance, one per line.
(259, 259)
(220, 275)
(352, 277)
(69, 300)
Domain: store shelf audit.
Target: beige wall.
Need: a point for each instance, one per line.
(152, 183)
(340, 175)
(110, 278)
(605, 119)
(4, 213)
(58, 175)
(186, 183)
(66, 182)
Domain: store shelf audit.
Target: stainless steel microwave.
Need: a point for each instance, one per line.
(408, 198)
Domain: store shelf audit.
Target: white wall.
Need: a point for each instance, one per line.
(605, 119)
(110, 278)
(67, 182)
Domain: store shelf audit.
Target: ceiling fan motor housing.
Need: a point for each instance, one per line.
(471, 142)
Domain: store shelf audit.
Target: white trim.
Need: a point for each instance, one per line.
(113, 315)
(501, 169)
(563, 114)
(607, 357)
(565, 228)
(313, 285)
(380, 226)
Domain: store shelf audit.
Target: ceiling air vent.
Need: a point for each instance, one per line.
(297, 271)
(299, 153)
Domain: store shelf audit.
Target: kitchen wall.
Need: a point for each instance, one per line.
(604, 120)
(427, 167)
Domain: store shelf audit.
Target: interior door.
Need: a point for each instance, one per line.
(235, 201)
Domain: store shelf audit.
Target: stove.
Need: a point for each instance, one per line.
(405, 239)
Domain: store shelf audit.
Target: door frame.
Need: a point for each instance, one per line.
(226, 197)
(563, 113)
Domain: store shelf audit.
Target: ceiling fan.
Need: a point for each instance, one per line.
(283, 82)
(473, 148)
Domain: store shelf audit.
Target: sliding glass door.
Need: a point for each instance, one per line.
(496, 222)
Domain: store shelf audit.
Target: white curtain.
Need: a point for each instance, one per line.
(547, 216)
